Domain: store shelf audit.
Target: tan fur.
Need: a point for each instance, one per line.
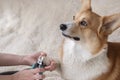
(114, 57)
(94, 36)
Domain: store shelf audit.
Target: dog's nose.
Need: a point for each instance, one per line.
(63, 27)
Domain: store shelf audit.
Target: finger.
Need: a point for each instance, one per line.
(36, 55)
(52, 66)
(37, 70)
(43, 54)
(38, 76)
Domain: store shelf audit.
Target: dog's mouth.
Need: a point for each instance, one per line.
(68, 36)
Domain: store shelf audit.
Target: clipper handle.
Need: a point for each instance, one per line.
(41, 63)
(36, 65)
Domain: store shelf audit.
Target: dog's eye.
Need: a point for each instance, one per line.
(83, 23)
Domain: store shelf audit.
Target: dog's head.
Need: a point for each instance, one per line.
(89, 28)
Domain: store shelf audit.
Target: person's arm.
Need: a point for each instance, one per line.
(5, 77)
(11, 59)
(31, 74)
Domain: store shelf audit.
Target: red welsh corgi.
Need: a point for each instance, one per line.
(85, 53)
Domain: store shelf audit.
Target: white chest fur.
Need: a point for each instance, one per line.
(78, 64)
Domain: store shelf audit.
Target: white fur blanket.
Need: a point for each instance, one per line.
(29, 26)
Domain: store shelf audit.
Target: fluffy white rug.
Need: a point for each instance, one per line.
(29, 26)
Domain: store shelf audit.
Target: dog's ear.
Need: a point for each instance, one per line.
(86, 5)
(110, 24)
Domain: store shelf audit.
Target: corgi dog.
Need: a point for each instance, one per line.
(85, 52)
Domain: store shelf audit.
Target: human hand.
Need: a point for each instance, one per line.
(52, 66)
(31, 74)
(31, 59)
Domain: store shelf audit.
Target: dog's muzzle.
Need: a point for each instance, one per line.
(64, 27)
